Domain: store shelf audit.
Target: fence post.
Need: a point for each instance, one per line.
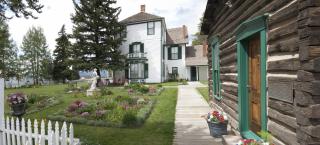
(1, 110)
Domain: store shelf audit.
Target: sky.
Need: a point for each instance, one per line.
(58, 12)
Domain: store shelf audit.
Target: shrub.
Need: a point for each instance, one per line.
(109, 104)
(100, 114)
(86, 108)
(105, 92)
(129, 118)
(32, 98)
(143, 89)
(123, 98)
(152, 89)
(73, 107)
(141, 101)
(159, 86)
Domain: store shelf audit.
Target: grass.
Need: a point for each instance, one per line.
(204, 92)
(204, 82)
(157, 130)
(170, 84)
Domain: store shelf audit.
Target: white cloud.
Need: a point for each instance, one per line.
(58, 12)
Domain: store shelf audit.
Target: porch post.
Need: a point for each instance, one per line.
(1, 108)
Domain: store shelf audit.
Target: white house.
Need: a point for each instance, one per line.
(154, 53)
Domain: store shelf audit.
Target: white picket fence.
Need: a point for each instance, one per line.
(27, 133)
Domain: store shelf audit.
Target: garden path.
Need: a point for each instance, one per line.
(190, 128)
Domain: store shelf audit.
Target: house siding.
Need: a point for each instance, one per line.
(285, 44)
(180, 63)
(152, 46)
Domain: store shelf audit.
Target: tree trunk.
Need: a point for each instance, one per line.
(99, 82)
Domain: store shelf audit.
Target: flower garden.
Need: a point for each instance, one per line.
(110, 109)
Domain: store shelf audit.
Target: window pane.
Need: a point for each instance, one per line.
(150, 24)
(137, 70)
(174, 56)
(136, 48)
(174, 50)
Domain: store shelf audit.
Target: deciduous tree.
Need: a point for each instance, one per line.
(35, 53)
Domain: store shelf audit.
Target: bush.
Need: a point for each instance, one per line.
(109, 104)
(105, 92)
(124, 99)
(143, 89)
(32, 98)
(129, 118)
(159, 86)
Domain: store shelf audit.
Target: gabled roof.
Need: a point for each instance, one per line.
(141, 17)
(177, 35)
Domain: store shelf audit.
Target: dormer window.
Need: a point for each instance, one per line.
(151, 28)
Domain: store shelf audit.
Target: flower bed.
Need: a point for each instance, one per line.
(119, 111)
(33, 102)
(140, 89)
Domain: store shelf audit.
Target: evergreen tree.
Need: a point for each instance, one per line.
(19, 8)
(35, 53)
(62, 54)
(6, 48)
(96, 31)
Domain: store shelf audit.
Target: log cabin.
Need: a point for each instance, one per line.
(264, 67)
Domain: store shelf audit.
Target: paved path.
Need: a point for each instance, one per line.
(190, 128)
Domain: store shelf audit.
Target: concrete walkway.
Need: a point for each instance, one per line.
(190, 128)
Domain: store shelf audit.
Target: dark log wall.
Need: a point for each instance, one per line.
(284, 33)
(307, 87)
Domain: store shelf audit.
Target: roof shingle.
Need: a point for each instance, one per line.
(177, 35)
(141, 17)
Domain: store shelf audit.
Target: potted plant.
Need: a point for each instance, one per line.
(17, 102)
(217, 123)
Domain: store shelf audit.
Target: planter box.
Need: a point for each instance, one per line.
(218, 129)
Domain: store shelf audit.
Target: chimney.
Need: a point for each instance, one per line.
(143, 8)
(205, 48)
(185, 31)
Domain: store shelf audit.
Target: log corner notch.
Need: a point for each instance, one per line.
(307, 99)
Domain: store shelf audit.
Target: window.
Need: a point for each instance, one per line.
(216, 71)
(175, 70)
(137, 71)
(124, 33)
(136, 48)
(151, 28)
(174, 53)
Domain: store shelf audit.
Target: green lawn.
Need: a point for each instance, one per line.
(204, 92)
(204, 82)
(170, 83)
(157, 130)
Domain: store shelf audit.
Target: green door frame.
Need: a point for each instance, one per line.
(256, 26)
(216, 83)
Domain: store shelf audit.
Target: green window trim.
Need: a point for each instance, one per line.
(216, 82)
(243, 32)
